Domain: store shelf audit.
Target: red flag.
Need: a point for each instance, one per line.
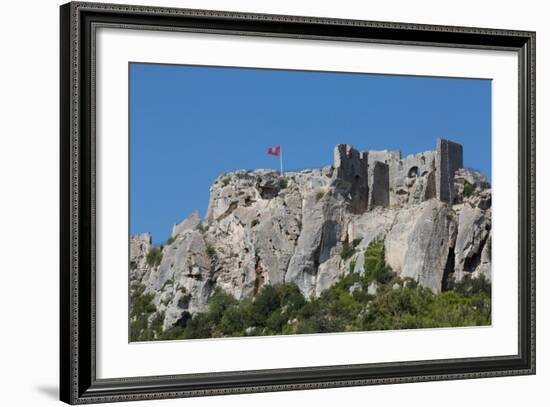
(275, 150)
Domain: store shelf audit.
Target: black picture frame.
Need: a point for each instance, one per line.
(78, 382)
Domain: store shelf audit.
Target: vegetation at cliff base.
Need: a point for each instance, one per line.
(145, 322)
(376, 269)
(376, 299)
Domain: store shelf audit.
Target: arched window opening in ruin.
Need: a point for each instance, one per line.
(414, 172)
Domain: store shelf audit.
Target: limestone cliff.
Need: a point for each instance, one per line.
(312, 227)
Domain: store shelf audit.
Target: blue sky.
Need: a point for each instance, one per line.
(190, 124)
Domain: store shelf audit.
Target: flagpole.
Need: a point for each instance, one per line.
(281, 160)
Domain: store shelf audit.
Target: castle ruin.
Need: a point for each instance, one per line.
(383, 178)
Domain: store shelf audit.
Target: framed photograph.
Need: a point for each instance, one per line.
(254, 203)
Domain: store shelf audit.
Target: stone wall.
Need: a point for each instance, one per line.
(384, 178)
(188, 224)
(379, 178)
(448, 161)
(384, 156)
(352, 166)
(405, 173)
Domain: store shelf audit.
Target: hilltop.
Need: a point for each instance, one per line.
(428, 217)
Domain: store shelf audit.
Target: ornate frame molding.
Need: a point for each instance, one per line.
(79, 21)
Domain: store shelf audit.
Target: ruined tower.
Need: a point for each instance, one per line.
(448, 160)
(378, 181)
(384, 178)
(352, 166)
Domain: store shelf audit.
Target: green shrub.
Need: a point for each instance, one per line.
(254, 223)
(210, 251)
(409, 308)
(141, 303)
(232, 323)
(267, 301)
(157, 323)
(470, 286)
(375, 265)
(139, 330)
(218, 304)
(226, 181)
(290, 297)
(319, 195)
(198, 327)
(171, 240)
(201, 228)
(345, 282)
(275, 322)
(141, 308)
(468, 189)
(178, 332)
(283, 183)
(154, 257)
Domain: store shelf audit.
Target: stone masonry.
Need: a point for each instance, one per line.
(385, 179)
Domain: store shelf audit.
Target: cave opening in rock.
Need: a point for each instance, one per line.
(471, 263)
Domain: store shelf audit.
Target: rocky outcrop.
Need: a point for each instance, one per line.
(314, 226)
(323, 216)
(182, 282)
(474, 228)
(429, 243)
(139, 248)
